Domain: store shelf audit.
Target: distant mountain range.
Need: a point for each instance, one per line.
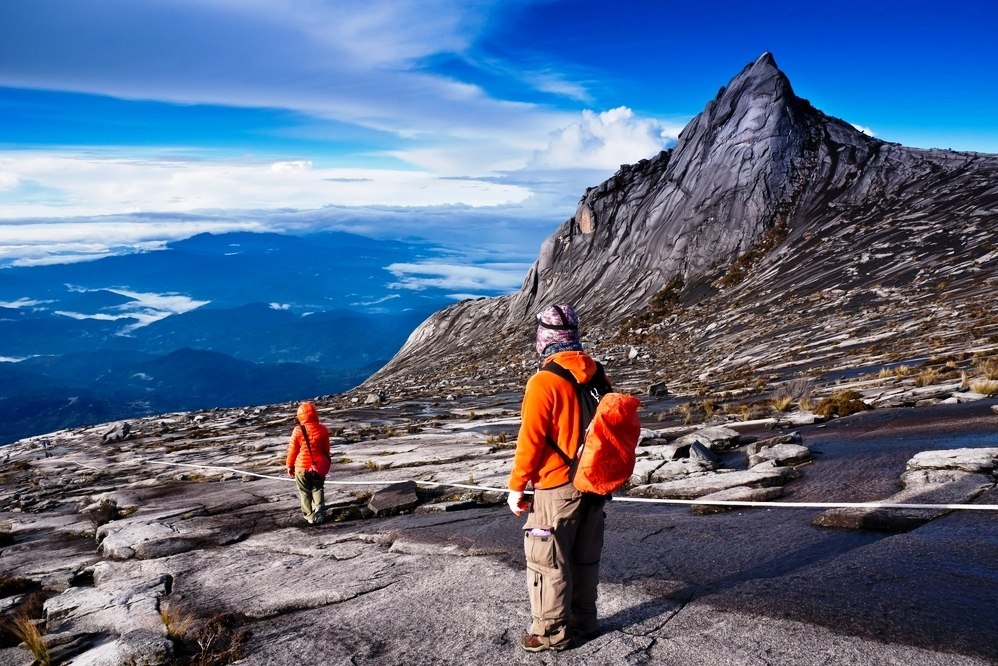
(211, 321)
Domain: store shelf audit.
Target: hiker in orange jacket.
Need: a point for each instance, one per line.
(308, 462)
(563, 535)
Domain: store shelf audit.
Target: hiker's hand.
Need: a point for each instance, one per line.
(291, 471)
(516, 503)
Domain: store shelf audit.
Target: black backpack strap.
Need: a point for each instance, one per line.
(304, 433)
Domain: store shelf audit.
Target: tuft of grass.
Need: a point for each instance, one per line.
(216, 641)
(26, 630)
(178, 622)
(989, 368)
(105, 511)
(688, 411)
(988, 387)
(897, 371)
(841, 403)
(782, 403)
(708, 407)
(927, 377)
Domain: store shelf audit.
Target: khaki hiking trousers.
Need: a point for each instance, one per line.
(563, 566)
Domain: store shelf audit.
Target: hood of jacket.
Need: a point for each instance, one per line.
(579, 363)
(307, 413)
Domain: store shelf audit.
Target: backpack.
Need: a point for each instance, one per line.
(605, 457)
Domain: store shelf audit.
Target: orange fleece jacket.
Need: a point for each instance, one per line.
(550, 409)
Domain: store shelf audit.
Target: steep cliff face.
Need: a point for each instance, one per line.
(759, 179)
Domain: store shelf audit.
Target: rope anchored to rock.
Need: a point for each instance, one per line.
(646, 500)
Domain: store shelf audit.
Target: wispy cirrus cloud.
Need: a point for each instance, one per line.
(142, 308)
(22, 303)
(357, 64)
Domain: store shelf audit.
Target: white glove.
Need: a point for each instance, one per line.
(516, 502)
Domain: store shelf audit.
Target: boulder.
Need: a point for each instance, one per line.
(801, 419)
(647, 435)
(116, 433)
(781, 454)
(698, 485)
(661, 452)
(967, 460)
(394, 499)
(643, 468)
(968, 396)
(757, 446)
(701, 455)
(678, 469)
(923, 486)
(145, 646)
(715, 438)
(658, 390)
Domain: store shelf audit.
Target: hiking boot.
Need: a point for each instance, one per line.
(534, 643)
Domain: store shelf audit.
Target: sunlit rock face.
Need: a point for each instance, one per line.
(768, 219)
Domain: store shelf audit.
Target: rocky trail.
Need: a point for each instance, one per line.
(124, 549)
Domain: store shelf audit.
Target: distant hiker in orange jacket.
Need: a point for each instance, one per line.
(308, 462)
(563, 535)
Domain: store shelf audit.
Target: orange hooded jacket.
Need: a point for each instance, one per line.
(318, 437)
(550, 409)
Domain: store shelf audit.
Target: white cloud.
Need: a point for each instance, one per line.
(604, 141)
(88, 185)
(361, 63)
(377, 301)
(22, 303)
(280, 306)
(44, 241)
(494, 278)
(8, 181)
(144, 307)
(291, 166)
(864, 130)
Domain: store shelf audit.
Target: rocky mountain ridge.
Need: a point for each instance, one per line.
(771, 241)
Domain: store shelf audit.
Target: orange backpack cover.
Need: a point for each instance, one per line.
(606, 461)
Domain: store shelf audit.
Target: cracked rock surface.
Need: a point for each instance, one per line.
(112, 536)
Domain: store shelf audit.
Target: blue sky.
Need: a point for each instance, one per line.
(125, 124)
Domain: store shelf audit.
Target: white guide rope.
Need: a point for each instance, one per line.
(647, 500)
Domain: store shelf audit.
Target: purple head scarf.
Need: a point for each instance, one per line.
(557, 330)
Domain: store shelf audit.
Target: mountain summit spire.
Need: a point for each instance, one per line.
(758, 176)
